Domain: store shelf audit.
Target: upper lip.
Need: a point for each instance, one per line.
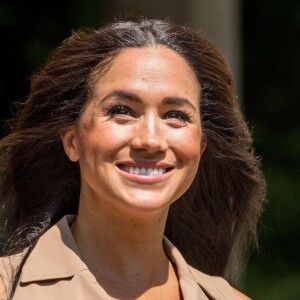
(146, 164)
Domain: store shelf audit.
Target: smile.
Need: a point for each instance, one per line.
(143, 171)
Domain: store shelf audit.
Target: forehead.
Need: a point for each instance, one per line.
(156, 66)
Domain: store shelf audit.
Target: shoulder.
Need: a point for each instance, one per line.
(240, 295)
(3, 295)
(214, 286)
(8, 268)
(217, 286)
(5, 275)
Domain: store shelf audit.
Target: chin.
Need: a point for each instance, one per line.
(146, 204)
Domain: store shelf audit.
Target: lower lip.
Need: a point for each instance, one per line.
(145, 179)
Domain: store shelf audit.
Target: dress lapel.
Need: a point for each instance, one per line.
(55, 256)
(190, 288)
(195, 284)
(56, 259)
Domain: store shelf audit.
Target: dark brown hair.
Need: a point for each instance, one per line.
(213, 223)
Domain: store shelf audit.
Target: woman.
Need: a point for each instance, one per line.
(134, 128)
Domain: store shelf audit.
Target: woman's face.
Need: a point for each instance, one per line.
(138, 141)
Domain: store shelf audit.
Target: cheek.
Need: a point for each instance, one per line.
(189, 142)
(191, 153)
(102, 140)
(188, 147)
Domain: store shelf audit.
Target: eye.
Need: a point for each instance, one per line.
(177, 116)
(121, 110)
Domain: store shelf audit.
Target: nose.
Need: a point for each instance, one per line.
(149, 136)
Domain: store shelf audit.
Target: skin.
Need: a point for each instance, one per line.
(144, 112)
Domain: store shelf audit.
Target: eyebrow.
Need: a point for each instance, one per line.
(178, 101)
(134, 98)
(123, 95)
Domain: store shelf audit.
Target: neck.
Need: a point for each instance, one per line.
(127, 246)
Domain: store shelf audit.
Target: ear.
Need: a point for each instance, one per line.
(203, 146)
(70, 143)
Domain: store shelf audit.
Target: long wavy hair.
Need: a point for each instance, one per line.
(213, 223)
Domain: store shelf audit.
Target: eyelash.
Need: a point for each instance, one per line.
(181, 116)
(124, 110)
(120, 110)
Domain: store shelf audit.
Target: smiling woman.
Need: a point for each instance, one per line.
(133, 107)
(134, 129)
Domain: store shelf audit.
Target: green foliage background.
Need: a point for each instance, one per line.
(271, 46)
(272, 105)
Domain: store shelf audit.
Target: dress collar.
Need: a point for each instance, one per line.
(51, 259)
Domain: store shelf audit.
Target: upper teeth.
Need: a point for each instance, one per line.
(144, 171)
